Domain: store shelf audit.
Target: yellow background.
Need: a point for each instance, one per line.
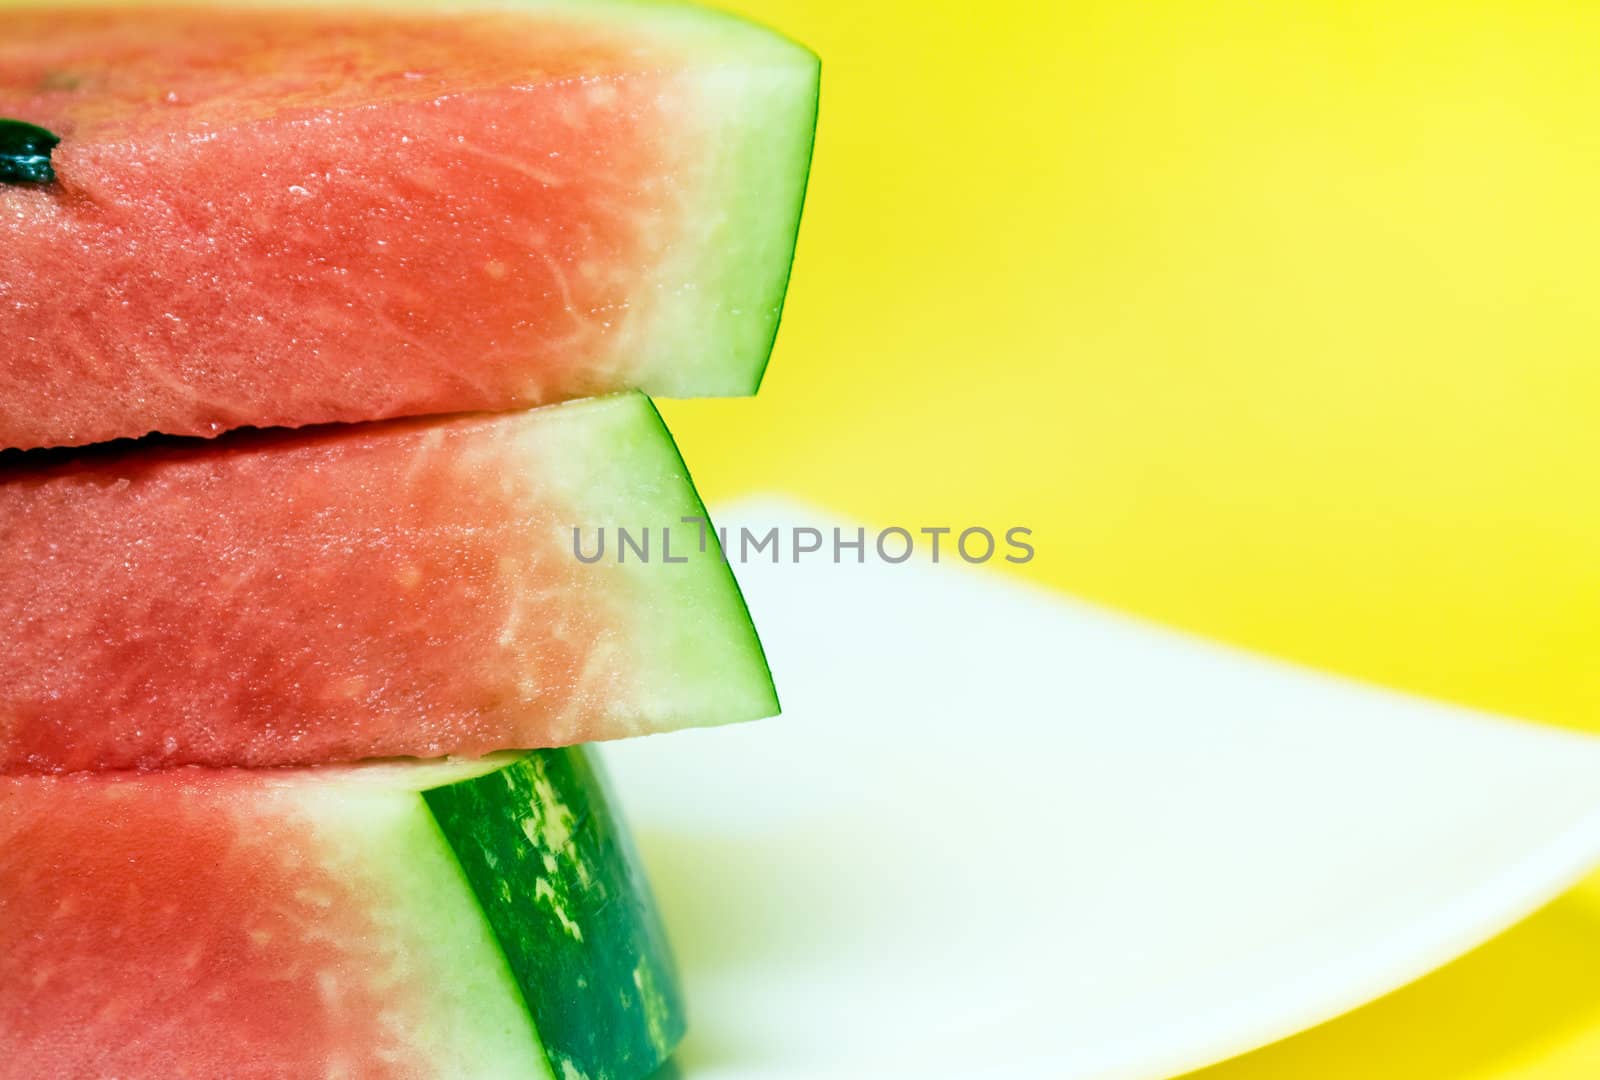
(1276, 321)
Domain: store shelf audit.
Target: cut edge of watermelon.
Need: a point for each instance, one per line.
(384, 774)
(696, 629)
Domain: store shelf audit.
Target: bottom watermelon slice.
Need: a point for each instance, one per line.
(450, 920)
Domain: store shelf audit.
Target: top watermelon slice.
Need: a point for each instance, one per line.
(285, 217)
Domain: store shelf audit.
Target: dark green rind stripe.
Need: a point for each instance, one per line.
(560, 884)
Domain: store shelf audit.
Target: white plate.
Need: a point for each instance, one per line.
(998, 833)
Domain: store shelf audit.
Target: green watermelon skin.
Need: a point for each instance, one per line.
(607, 996)
(281, 216)
(409, 588)
(298, 923)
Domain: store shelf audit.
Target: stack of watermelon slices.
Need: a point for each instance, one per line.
(291, 782)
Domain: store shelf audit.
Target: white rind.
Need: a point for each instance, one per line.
(375, 829)
(690, 649)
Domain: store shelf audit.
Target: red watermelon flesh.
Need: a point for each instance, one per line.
(404, 588)
(288, 217)
(95, 885)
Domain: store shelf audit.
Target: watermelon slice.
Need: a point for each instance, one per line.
(287, 217)
(449, 920)
(407, 588)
